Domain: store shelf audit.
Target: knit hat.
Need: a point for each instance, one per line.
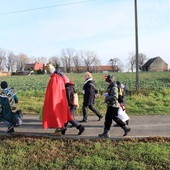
(4, 84)
(109, 78)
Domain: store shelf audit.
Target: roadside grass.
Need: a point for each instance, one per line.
(37, 153)
(150, 102)
(31, 102)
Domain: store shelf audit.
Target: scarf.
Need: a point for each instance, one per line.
(87, 80)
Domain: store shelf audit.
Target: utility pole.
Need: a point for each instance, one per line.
(136, 42)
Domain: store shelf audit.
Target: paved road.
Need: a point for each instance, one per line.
(142, 126)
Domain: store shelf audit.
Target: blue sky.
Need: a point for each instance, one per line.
(103, 26)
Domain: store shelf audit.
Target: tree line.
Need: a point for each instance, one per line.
(68, 58)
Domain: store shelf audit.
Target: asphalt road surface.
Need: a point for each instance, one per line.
(141, 126)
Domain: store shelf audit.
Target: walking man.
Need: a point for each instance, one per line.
(111, 99)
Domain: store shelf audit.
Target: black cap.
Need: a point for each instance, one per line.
(109, 78)
(118, 83)
(4, 84)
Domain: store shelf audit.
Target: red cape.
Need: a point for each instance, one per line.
(55, 110)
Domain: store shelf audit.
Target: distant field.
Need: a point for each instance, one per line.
(147, 80)
(153, 97)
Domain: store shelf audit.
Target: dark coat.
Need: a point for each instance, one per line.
(6, 113)
(89, 93)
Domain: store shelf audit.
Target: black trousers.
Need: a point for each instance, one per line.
(112, 114)
(84, 108)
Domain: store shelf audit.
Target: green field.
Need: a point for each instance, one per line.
(153, 97)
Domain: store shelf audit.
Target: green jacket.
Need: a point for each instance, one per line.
(112, 97)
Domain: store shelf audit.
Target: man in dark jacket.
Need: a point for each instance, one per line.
(89, 97)
(111, 99)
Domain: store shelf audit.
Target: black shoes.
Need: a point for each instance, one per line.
(105, 134)
(81, 129)
(83, 121)
(63, 131)
(10, 129)
(100, 117)
(126, 130)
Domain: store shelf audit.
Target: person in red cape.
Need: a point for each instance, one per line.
(55, 110)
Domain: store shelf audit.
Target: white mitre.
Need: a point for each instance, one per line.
(50, 68)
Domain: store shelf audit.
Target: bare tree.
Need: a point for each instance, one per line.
(66, 58)
(42, 60)
(96, 64)
(37, 60)
(21, 60)
(114, 62)
(142, 59)
(32, 59)
(120, 66)
(132, 61)
(77, 61)
(2, 59)
(10, 61)
(55, 61)
(88, 58)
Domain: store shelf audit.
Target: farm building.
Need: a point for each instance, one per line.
(93, 69)
(155, 64)
(33, 67)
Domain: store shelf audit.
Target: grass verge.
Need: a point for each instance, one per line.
(18, 152)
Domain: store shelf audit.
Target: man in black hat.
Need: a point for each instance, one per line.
(111, 99)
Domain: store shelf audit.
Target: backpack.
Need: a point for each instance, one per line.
(121, 92)
(12, 96)
(69, 93)
(120, 95)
